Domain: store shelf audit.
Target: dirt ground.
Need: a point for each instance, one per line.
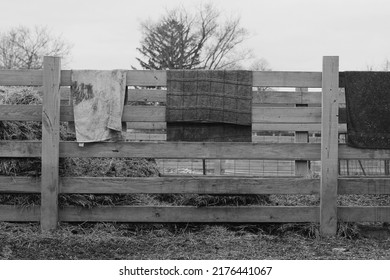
(107, 241)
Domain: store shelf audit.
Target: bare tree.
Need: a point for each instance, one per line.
(24, 48)
(200, 40)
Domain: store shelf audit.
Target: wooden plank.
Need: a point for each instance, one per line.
(290, 115)
(66, 78)
(286, 79)
(144, 114)
(158, 95)
(182, 214)
(284, 97)
(293, 127)
(364, 214)
(136, 136)
(329, 146)
(20, 149)
(146, 78)
(200, 185)
(311, 151)
(302, 167)
(11, 213)
(195, 150)
(10, 184)
(364, 185)
(347, 152)
(286, 115)
(146, 125)
(20, 77)
(50, 142)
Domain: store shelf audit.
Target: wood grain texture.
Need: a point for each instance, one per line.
(364, 214)
(21, 78)
(316, 127)
(195, 150)
(191, 214)
(50, 142)
(329, 146)
(10, 184)
(131, 136)
(309, 151)
(347, 152)
(364, 186)
(286, 115)
(198, 185)
(20, 112)
(147, 125)
(157, 95)
(10, 213)
(20, 149)
(286, 79)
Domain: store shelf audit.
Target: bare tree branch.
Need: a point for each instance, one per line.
(24, 48)
(188, 40)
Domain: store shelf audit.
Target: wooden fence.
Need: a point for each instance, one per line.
(302, 119)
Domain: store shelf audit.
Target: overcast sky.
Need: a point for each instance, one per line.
(289, 34)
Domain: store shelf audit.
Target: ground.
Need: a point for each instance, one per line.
(106, 241)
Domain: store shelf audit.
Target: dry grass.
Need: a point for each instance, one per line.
(183, 241)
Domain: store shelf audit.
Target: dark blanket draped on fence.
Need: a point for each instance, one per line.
(368, 109)
(205, 105)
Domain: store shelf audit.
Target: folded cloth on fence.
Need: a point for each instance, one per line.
(208, 132)
(98, 98)
(368, 109)
(205, 105)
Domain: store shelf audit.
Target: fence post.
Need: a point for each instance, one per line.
(302, 167)
(329, 146)
(50, 142)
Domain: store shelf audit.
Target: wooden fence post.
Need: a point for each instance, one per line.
(302, 167)
(329, 146)
(50, 142)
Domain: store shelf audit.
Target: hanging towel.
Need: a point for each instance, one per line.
(205, 105)
(98, 98)
(368, 109)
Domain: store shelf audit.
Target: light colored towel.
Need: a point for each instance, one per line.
(98, 98)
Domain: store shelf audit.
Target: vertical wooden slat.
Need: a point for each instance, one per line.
(302, 166)
(329, 146)
(50, 142)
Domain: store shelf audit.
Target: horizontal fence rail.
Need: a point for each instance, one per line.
(183, 214)
(195, 185)
(286, 151)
